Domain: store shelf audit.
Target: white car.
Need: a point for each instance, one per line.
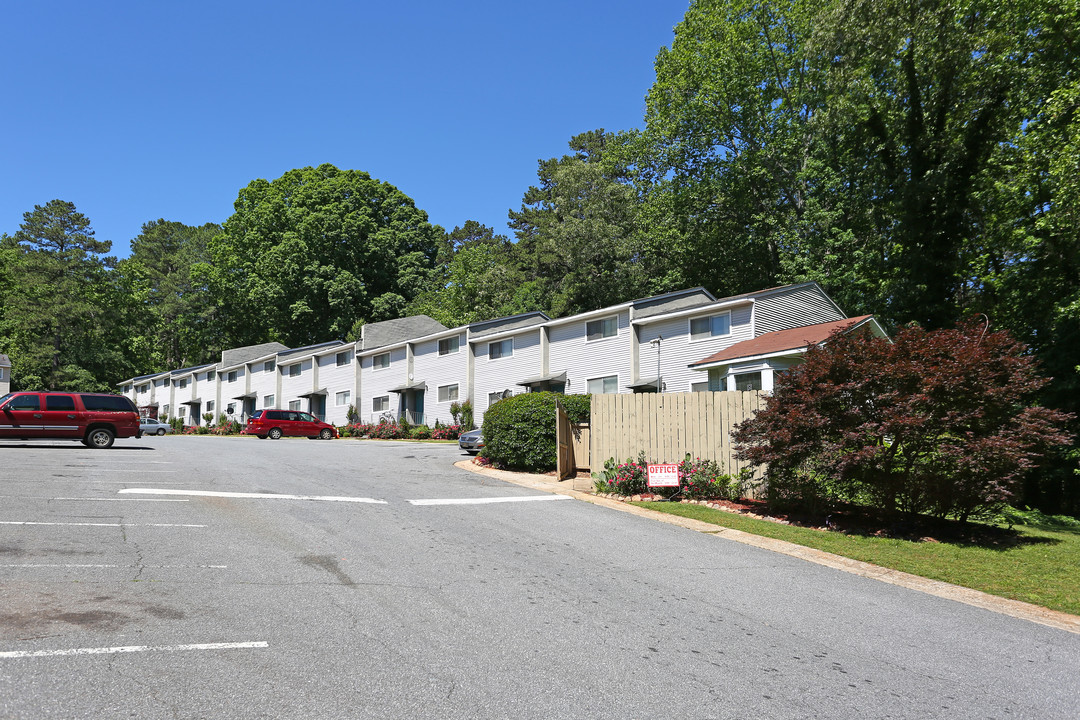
(150, 426)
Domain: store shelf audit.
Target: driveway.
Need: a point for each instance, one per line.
(231, 577)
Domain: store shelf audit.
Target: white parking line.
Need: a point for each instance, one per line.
(487, 501)
(250, 496)
(23, 522)
(156, 567)
(111, 499)
(130, 649)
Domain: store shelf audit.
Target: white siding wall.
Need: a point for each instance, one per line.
(293, 387)
(794, 308)
(263, 383)
(677, 350)
(207, 389)
(436, 370)
(232, 390)
(338, 379)
(141, 396)
(569, 350)
(376, 383)
(504, 373)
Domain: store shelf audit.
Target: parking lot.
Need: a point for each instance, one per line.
(235, 577)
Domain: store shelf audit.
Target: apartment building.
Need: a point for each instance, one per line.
(415, 367)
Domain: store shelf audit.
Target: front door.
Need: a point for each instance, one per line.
(418, 408)
(20, 415)
(318, 406)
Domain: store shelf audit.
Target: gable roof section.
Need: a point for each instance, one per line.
(391, 332)
(240, 355)
(506, 324)
(308, 349)
(786, 341)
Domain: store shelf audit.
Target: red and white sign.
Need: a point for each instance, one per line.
(663, 475)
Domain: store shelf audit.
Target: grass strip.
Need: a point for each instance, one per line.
(1041, 567)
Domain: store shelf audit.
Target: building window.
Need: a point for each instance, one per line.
(699, 386)
(604, 385)
(268, 401)
(702, 328)
(717, 381)
(600, 329)
(268, 366)
(501, 349)
(496, 397)
(294, 370)
(448, 346)
(232, 376)
(183, 383)
(294, 404)
(380, 404)
(448, 393)
(182, 412)
(342, 398)
(209, 406)
(342, 359)
(380, 362)
(748, 381)
(143, 388)
(165, 411)
(230, 408)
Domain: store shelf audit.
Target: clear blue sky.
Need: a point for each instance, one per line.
(142, 110)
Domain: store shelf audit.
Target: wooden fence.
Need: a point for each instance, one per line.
(667, 426)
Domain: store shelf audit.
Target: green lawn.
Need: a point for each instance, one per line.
(1041, 567)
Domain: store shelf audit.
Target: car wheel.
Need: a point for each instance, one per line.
(326, 434)
(161, 431)
(275, 433)
(99, 438)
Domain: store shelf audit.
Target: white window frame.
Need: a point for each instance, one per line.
(446, 397)
(380, 404)
(268, 401)
(700, 337)
(501, 344)
(183, 383)
(269, 366)
(342, 359)
(455, 340)
(231, 377)
(294, 405)
(699, 386)
(209, 406)
(603, 379)
(342, 398)
(602, 335)
(377, 366)
(295, 369)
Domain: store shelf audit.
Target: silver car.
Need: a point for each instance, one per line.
(149, 426)
(471, 441)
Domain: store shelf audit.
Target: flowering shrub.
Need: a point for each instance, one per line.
(446, 432)
(420, 432)
(228, 427)
(698, 480)
(189, 430)
(387, 431)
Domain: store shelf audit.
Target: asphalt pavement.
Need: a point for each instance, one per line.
(205, 577)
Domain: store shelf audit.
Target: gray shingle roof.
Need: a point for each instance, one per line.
(239, 355)
(391, 332)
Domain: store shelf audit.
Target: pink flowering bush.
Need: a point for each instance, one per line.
(698, 480)
(446, 432)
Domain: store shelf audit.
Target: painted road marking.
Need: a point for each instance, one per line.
(487, 501)
(252, 496)
(129, 649)
(156, 567)
(21, 522)
(90, 499)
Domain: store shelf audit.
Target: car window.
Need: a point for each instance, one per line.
(24, 402)
(306, 417)
(274, 415)
(59, 402)
(107, 403)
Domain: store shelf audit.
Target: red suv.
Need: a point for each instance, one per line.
(96, 419)
(275, 423)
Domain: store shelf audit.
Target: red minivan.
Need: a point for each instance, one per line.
(94, 418)
(275, 423)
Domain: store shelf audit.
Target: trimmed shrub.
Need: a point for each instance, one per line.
(519, 431)
(420, 432)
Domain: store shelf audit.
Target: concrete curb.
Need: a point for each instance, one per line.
(1004, 606)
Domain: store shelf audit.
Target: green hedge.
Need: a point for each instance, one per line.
(519, 431)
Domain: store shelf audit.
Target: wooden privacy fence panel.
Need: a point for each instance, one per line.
(573, 444)
(668, 425)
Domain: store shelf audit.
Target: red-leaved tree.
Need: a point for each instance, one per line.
(939, 423)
